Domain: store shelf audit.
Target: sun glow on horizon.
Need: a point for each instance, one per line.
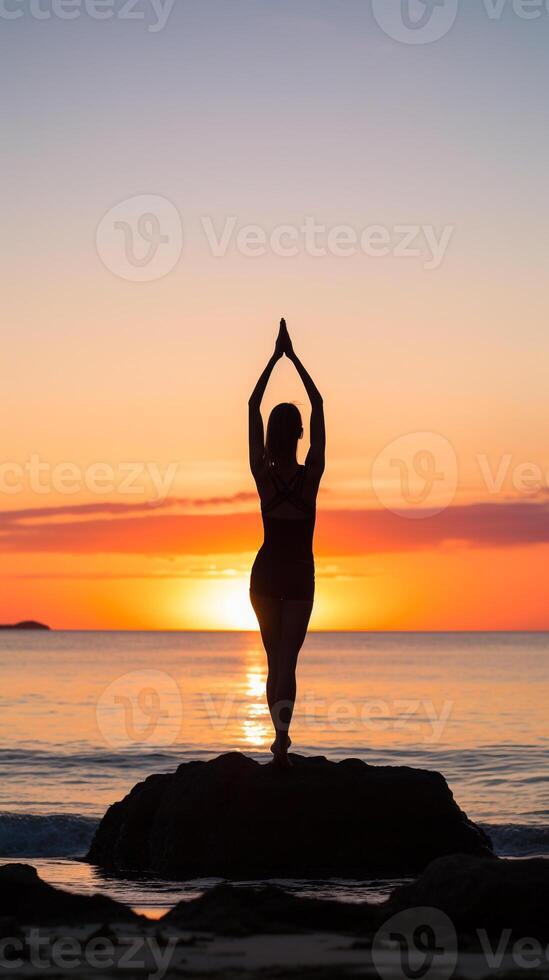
(235, 608)
(219, 604)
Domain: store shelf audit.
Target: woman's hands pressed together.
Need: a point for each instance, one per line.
(283, 342)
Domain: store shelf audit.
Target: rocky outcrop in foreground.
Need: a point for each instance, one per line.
(231, 910)
(28, 899)
(231, 817)
(479, 894)
(507, 900)
(503, 898)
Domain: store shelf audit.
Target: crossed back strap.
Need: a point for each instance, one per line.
(287, 492)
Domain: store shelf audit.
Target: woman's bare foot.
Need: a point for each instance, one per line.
(274, 746)
(279, 748)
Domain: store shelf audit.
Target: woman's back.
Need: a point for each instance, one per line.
(288, 517)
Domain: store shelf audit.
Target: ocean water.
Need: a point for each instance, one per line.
(84, 716)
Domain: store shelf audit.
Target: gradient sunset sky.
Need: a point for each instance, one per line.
(271, 114)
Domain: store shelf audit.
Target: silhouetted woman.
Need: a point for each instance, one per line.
(283, 575)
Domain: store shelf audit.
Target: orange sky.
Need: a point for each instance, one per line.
(128, 503)
(172, 565)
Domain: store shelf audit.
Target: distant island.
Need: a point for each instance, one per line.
(27, 624)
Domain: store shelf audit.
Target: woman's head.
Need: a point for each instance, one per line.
(284, 428)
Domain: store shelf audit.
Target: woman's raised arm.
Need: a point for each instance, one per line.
(316, 454)
(256, 437)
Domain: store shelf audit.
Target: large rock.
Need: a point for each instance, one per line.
(31, 901)
(234, 818)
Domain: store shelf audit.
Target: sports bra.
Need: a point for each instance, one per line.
(290, 493)
(284, 565)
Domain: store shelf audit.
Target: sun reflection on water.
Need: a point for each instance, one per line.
(255, 726)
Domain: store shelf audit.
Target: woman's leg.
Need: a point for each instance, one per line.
(268, 612)
(294, 620)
